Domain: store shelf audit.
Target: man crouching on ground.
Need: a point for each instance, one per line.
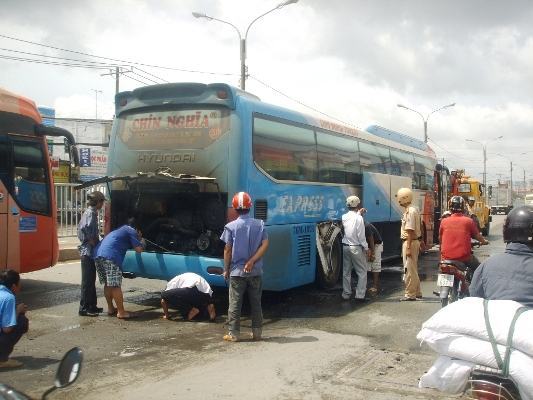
(13, 321)
(189, 293)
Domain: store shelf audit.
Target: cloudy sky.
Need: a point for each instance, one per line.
(353, 60)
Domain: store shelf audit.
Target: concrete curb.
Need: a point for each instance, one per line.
(68, 255)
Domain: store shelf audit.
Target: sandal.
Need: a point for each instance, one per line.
(230, 338)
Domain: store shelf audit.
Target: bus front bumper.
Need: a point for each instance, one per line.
(166, 266)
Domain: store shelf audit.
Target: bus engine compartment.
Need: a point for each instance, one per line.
(173, 217)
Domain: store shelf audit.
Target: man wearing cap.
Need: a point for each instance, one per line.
(354, 250)
(246, 243)
(89, 236)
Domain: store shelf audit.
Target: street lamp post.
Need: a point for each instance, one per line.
(96, 102)
(242, 40)
(425, 119)
(484, 145)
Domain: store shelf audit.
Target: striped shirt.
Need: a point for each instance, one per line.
(88, 230)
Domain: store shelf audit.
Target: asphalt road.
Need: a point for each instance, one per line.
(316, 345)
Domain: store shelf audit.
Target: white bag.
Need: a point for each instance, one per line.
(478, 351)
(466, 317)
(447, 375)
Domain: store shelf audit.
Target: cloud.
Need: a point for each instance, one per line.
(351, 59)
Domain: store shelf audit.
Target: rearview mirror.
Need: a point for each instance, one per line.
(69, 368)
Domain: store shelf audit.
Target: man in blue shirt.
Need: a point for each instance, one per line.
(109, 258)
(89, 236)
(13, 321)
(246, 243)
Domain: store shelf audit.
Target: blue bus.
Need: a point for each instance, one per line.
(179, 151)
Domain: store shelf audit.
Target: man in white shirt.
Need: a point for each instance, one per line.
(354, 250)
(189, 293)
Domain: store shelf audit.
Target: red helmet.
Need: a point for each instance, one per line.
(242, 201)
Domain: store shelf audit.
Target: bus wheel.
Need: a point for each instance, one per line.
(327, 277)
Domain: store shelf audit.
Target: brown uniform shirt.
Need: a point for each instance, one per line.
(411, 221)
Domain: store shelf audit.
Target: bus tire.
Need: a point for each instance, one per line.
(327, 280)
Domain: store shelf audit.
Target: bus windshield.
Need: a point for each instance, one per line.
(172, 129)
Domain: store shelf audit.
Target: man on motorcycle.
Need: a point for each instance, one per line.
(509, 276)
(455, 235)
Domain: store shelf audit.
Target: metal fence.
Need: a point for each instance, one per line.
(70, 206)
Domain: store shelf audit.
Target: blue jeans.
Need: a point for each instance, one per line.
(253, 285)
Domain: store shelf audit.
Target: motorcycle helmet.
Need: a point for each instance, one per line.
(518, 226)
(457, 204)
(404, 196)
(352, 201)
(241, 201)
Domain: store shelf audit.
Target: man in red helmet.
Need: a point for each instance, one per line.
(246, 243)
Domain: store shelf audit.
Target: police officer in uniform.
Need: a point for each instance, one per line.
(410, 234)
(509, 276)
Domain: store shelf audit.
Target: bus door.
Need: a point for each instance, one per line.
(3, 226)
(4, 197)
(31, 229)
(379, 196)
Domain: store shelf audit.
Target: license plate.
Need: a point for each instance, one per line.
(445, 280)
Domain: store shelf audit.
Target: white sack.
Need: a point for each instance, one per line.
(479, 351)
(466, 317)
(447, 375)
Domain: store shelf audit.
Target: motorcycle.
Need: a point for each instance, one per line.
(490, 384)
(454, 279)
(67, 372)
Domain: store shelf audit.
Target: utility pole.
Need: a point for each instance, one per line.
(116, 73)
(96, 102)
(511, 184)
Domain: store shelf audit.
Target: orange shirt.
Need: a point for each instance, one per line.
(455, 233)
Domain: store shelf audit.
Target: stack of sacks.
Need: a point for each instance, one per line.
(458, 333)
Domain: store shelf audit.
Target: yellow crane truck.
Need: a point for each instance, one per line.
(472, 190)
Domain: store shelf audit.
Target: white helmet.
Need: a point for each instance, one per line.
(404, 196)
(352, 201)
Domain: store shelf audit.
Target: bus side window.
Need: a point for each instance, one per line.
(402, 163)
(338, 159)
(285, 151)
(374, 158)
(30, 179)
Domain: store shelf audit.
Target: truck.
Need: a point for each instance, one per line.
(472, 189)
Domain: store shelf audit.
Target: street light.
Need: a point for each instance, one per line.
(241, 39)
(426, 118)
(484, 145)
(96, 102)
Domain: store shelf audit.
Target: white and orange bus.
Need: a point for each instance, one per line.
(28, 221)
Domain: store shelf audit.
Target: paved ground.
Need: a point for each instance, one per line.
(316, 346)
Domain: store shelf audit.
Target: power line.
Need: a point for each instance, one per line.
(301, 103)
(116, 59)
(49, 62)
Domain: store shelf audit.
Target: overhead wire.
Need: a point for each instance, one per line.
(300, 102)
(116, 59)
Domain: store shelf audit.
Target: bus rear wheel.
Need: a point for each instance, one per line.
(328, 276)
